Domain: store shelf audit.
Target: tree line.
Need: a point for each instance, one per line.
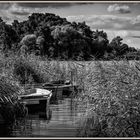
(51, 36)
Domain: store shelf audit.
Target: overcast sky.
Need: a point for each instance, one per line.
(121, 19)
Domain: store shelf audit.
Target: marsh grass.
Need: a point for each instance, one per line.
(10, 107)
(112, 98)
(109, 99)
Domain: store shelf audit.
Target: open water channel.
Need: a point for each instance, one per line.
(60, 123)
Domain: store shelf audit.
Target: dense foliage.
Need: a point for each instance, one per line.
(54, 37)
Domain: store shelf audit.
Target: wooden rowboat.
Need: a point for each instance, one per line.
(36, 99)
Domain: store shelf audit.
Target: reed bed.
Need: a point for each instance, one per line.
(112, 94)
(109, 99)
(10, 107)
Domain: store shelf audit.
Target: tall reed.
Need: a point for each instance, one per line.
(112, 92)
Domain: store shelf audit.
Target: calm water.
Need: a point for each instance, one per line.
(61, 122)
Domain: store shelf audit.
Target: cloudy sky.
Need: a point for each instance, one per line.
(121, 19)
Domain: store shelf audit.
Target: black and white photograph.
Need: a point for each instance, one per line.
(69, 69)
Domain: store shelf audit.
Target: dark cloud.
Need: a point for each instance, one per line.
(20, 13)
(54, 5)
(41, 5)
(135, 36)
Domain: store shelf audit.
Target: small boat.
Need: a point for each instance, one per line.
(36, 93)
(61, 89)
(36, 99)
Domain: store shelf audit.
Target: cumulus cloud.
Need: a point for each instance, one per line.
(136, 20)
(133, 42)
(127, 36)
(116, 8)
(10, 12)
(113, 33)
(108, 21)
(17, 10)
(103, 21)
(20, 11)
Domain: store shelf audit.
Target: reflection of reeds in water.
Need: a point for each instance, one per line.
(10, 108)
(22, 127)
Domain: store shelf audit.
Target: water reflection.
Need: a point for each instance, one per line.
(59, 123)
(5, 130)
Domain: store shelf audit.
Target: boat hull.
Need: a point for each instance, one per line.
(38, 105)
(38, 101)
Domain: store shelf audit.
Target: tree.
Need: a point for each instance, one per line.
(117, 45)
(99, 43)
(45, 33)
(55, 37)
(1, 20)
(8, 37)
(28, 43)
(69, 43)
(40, 44)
